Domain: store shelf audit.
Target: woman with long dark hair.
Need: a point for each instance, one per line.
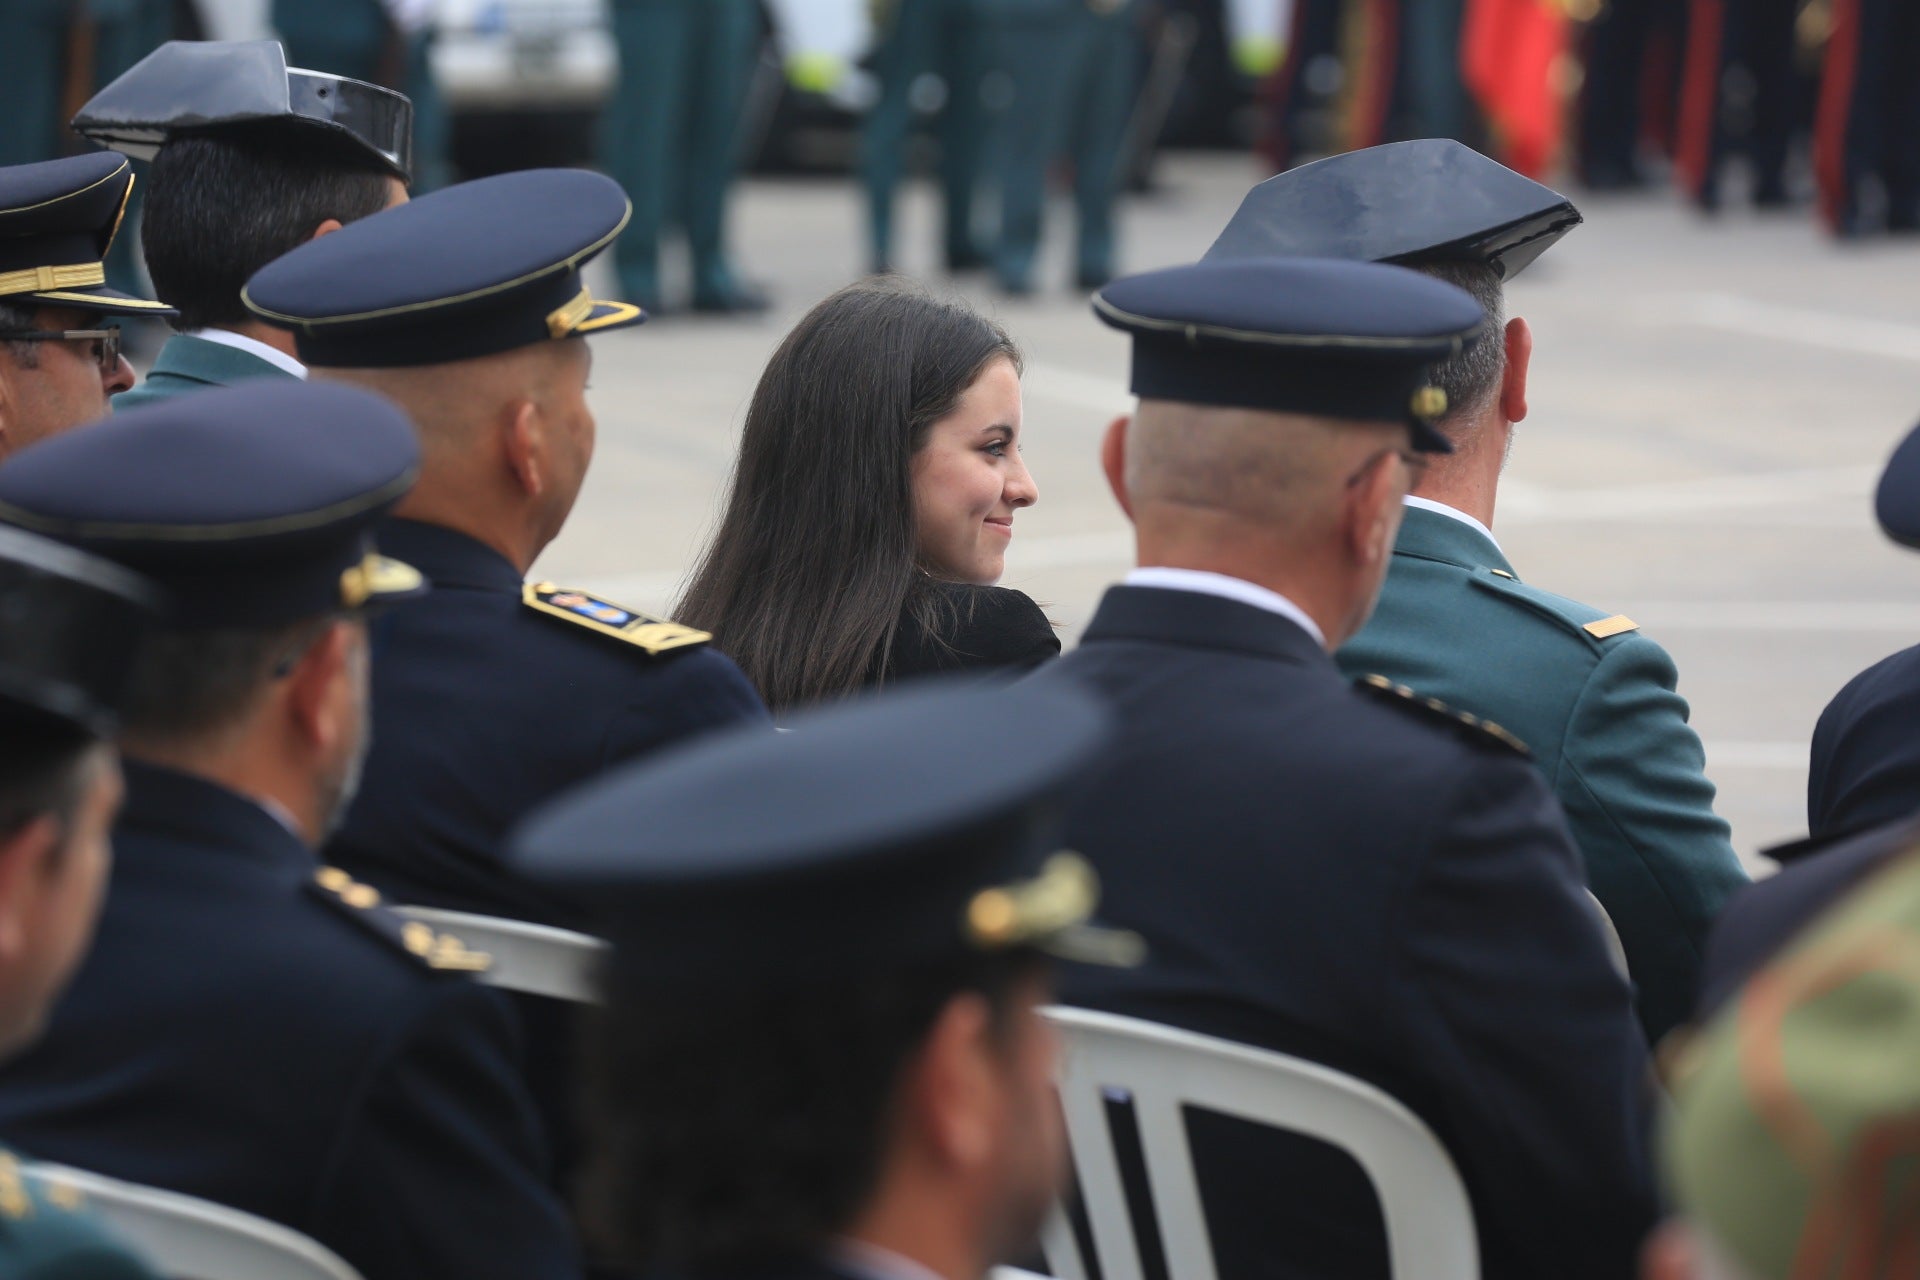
(872, 504)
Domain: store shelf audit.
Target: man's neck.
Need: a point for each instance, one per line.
(244, 772)
(1469, 480)
(266, 335)
(1283, 571)
(477, 520)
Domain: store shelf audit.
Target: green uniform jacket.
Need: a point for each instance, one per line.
(1605, 725)
(188, 364)
(46, 1233)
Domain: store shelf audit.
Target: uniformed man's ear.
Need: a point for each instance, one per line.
(1373, 509)
(327, 227)
(8, 408)
(525, 446)
(950, 1087)
(1113, 460)
(313, 685)
(1513, 384)
(24, 856)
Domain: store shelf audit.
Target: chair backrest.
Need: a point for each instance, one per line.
(1429, 1221)
(534, 958)
(191, 1239)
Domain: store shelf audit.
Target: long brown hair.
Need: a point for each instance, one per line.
(814, 562)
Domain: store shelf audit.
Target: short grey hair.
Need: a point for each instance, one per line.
(25, 353)
(1472, 379)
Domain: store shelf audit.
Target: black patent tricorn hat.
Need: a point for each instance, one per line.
(188, 86)
(1428, 200)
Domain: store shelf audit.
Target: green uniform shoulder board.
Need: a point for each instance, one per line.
(1469, 725)
(361, 903)
(651, 635)
(1572, 616)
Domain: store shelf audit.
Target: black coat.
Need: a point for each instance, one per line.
(238, 1033)
(484, 708)
(1356, 879)
(1864, 768)
(1816, 873)
(978, 629)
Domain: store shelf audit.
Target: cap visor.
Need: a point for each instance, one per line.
(610, 315)
(106, 301)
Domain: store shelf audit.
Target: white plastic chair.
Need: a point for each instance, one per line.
(534, 958)
(1611, 936)
(1429, 1221)
(191, 1239)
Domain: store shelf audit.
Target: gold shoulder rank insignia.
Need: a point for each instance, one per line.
(1483, 731)
(1618, 625)
(361, 902)
(1502, 573)
(652, 635)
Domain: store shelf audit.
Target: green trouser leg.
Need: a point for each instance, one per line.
(726, 39)
(1031, 44)
(639, 131)
(943, 37)
(1100, 70)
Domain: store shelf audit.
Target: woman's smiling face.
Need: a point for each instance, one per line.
(968, 480)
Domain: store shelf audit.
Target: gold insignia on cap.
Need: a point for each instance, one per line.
(376, 575)
(450, 953)
(1429, 403)
(564, 321)
(1618, 625)
(44, 279)
(1050, 912)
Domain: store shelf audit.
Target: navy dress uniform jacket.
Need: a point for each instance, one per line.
(484, 708)
(239, 1034)
(1319, 872)
(1864, 767)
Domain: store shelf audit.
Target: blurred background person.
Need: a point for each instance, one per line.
(873, 503)
(1867, 132)
(1069, 68)
(918, 39)
(1741, 90)
(670, 136)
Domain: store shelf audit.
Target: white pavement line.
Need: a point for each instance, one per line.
(1778, 615)
(1756, 755)
(1686, 498)
(1731, 313)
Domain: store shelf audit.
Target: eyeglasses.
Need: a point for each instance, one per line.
(107, 353)
(1416, 464)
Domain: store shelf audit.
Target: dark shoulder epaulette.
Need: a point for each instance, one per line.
(361, 904)
(1469, 725)
(653, 636)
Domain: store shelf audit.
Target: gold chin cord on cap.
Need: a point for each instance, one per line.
(1050, 912)
(49, 279)
(376, 575)
(1430, 403)
(564, 321)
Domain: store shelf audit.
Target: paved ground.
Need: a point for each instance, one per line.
(1711, 406)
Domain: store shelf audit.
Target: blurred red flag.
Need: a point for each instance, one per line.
(1510, 53)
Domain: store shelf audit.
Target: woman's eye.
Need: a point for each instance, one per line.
(998, 449)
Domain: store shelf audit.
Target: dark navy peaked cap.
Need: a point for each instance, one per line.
(905, 828)
(1294, 335)
(468, 271)
(71, 627)
(194, 86)
(57, 221)
(251, 506)
(1429, 200)
(1897, 501)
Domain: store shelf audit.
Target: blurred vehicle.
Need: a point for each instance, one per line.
(524, 80)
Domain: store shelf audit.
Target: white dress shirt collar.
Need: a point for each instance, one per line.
(253, 347)
(871, 1262)
(1454, 513)
(1220, 584)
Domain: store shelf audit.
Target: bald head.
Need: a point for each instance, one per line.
(505, 441)
(1307, 507)
(1285, 472)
